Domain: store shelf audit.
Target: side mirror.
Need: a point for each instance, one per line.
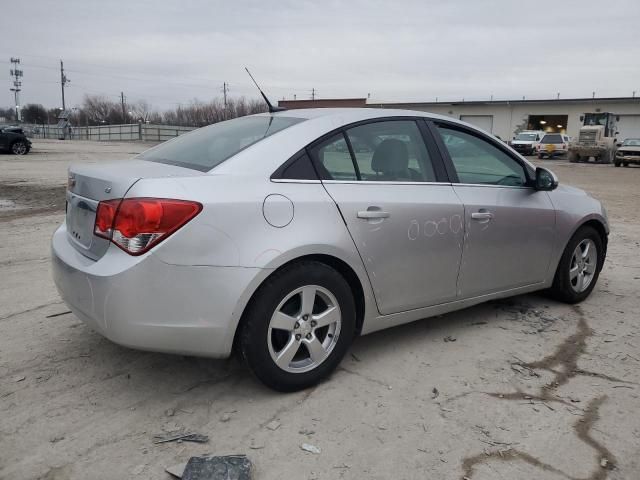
(546, 180)
(618, 144)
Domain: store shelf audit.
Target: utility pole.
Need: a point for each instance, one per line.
(124, 115)
(17, 74)
(225, 89)
(313, 94)
(63, 81)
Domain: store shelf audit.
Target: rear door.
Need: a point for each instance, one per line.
(509, 226)
(400, 209)
(3, 140)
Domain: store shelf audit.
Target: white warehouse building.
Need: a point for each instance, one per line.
(505, 117)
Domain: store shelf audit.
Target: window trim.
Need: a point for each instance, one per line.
(453, 174)
(438, 162)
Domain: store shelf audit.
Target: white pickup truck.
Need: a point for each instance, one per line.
(526, 142)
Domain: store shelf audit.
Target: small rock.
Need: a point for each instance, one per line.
(435, 393)
(307, 447)
(305, 431)
(225, 417)
(273, 425)
(449, 338)
(256, 445)
(176, 470)
(169, 412)
(56, 439)
(18, 378)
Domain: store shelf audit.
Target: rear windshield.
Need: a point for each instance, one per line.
(554, 138)
(209, 146)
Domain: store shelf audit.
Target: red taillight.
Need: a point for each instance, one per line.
(138, 224)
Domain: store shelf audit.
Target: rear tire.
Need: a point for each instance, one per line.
(540, 156)
(284, 339)
(579, 267)
(616, 164)
(626, 164)
(574, 157)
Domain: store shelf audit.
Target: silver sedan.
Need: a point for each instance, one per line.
(283, 236)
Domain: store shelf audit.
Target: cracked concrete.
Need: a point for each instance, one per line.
(568, 377)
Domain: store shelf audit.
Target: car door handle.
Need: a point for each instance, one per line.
(482, 215)
(369, 214)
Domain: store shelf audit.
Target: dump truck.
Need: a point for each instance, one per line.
(597, 138)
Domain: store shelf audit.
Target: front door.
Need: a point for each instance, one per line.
(406, 226)
(509, 226)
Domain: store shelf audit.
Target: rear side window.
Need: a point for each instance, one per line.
(552, 138)
(391, 151)
(333, 159)
(209, 146)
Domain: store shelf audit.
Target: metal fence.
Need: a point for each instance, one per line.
(145, 132)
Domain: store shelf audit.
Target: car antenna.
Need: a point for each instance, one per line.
(272, 109)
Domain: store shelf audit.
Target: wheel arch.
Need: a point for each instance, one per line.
(595, 222)
(338, 264)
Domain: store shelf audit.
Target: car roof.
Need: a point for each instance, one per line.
(356, 114)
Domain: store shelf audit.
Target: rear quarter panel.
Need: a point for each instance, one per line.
(232, 230)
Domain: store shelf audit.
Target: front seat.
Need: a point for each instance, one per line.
(390, 161)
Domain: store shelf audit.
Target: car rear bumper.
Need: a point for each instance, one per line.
(144, 303)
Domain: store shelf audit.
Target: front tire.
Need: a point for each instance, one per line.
(579, 267)
(19, 148)
(298, 326)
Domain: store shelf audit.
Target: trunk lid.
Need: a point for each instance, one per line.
(87, 185)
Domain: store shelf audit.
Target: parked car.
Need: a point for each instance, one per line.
(527, 141)
(264, 235)
(553, 144)
(13, 139)
(628, 152)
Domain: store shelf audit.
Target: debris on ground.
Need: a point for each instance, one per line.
(18, 378)
(180, 437)
(176, 470)
(435, 393)
(273, 425)
(449, 338)
(307, 447)
(170, 412)
(604, 462)
(225, 417)
(236, 467)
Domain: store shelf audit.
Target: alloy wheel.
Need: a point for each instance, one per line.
(19, 148)
(304, 329)
(583, 265)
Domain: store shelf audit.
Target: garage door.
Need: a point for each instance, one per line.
(629, 127)
(485, 122)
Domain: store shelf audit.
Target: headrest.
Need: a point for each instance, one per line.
(391, 156)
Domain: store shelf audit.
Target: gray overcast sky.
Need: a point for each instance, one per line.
(170, 52)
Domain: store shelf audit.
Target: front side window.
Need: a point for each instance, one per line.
(477, 161)
(391, 151)
(333, 160)
(207, 147)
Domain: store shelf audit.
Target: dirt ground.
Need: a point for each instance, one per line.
(524, 388)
